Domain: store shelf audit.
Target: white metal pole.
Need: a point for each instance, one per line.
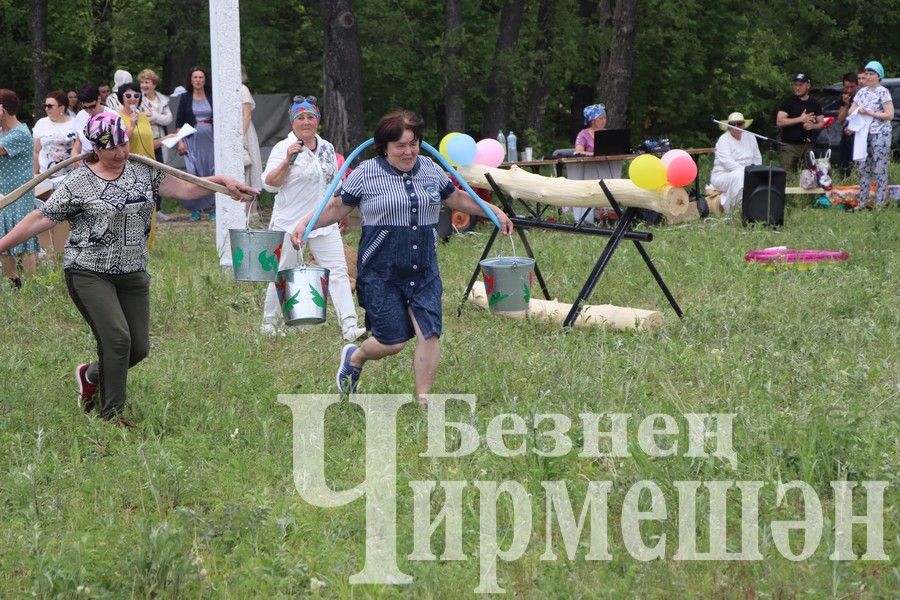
(225, 48)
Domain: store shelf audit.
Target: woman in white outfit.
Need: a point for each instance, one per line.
(734, 151)
(252, 158)
(299, 170)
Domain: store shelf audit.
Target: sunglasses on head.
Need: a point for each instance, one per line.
(131, 95)
(311, 99)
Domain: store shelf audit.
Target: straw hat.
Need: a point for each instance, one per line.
(733, 119)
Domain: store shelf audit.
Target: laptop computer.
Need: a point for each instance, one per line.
(610, 142)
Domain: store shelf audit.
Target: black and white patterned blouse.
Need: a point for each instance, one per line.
(110, 219)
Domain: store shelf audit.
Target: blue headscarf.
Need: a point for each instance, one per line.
(874, 65)
(592, 112)
(304, 104)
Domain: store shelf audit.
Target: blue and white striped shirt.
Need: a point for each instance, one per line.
(388, 197)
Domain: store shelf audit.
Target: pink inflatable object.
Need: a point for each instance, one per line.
(783, 254)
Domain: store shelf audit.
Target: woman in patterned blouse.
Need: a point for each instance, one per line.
(108, 203)
(874, 100)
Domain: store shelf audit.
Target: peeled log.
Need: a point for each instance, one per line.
(559, 191)
(603, 315)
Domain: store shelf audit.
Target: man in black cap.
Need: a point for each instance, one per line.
(800, 120)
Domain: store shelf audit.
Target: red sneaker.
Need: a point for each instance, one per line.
(86, 389)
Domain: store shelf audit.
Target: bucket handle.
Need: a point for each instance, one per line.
(301, 263)
(249, 211)
(512, 243)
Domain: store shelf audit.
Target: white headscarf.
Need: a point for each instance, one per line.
(121, 78)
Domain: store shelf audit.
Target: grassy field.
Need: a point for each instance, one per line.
(199, 502)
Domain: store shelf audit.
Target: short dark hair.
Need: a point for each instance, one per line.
(10, 101)
(851, 76)
(60, 97)
(127, 87)
(88, 93)
(391, 126)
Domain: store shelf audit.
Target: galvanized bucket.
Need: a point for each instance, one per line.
(255, 253)
(507, 282)
(303, 294)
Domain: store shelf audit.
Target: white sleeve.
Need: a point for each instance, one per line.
(276, 157)
(724, 154)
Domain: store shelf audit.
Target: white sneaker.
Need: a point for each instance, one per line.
(162, 217)
(270, 330)
(354, 333)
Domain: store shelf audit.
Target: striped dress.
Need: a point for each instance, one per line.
(397, 264)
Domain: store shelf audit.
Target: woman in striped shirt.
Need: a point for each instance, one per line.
(399, 195)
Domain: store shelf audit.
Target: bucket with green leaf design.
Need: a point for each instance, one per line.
(507, 282)
(255, 253)
(302, 294)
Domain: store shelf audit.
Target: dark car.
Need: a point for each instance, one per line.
(830, 99)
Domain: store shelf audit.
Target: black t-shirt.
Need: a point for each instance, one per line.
(794, 107)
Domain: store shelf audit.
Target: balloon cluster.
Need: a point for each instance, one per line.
(676, 167)
(461, 150)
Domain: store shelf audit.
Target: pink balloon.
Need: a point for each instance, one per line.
(672, 155)
(681, 171)
(489, 153)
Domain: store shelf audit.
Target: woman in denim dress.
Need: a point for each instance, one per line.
(399, 195)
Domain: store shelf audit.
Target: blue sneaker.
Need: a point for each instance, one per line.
(195, 216)
(212, 215)
(347, 377)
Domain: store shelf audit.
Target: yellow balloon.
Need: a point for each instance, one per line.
(442, 147)
(648, 172)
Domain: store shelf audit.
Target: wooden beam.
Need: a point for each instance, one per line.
(559, 191)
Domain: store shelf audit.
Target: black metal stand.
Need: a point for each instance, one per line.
(622, 231)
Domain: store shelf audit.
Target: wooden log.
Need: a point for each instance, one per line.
(32, 183)
(691, 214)
(604, 315)
(26, 187)
(559, 191)
(179, 174)
(799, 190)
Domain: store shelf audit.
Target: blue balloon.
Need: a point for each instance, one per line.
(461, 149)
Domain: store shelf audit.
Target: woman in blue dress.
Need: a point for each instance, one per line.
(399, 195)
(16, 154)
(195, 109)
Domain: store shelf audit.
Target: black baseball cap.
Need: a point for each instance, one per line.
(801, 77)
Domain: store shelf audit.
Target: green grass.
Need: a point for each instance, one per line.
(199, 500)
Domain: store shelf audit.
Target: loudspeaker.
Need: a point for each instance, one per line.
(763, 199)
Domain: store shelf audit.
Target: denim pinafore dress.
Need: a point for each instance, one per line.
(397, 268)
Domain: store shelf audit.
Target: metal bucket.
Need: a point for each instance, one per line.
(507, 282)
(302, 294)
(255, 253)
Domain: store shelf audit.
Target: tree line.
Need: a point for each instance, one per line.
(662, 67)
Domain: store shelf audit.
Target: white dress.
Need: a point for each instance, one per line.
(252, 158)
(732, 156)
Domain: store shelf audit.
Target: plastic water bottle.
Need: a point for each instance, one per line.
(501, 138)
(511, 153)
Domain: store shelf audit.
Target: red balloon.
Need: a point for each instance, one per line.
(672, 155)
(681, 171)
